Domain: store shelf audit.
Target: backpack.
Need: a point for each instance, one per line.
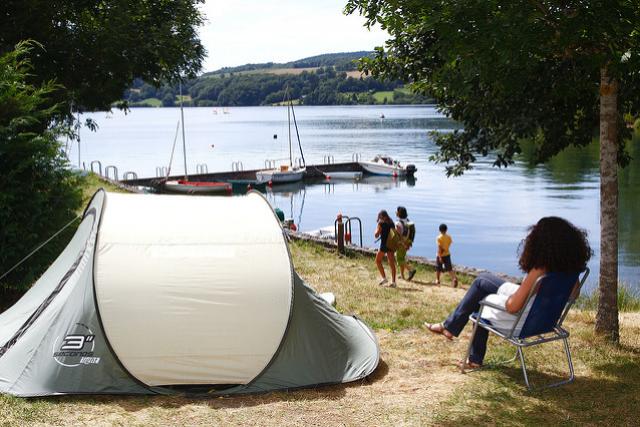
(394, 240)
(408, 231)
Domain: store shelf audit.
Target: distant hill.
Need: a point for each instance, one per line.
(344, 61)
(328, 79)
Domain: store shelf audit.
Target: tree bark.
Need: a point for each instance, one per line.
(607, 315)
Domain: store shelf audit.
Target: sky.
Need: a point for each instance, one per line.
(239, 32)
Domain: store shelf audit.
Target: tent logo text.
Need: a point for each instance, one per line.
(76, 347)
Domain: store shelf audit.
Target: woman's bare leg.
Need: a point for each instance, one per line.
(392, 262)
(379, 257)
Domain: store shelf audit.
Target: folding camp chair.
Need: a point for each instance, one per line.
(554, 296)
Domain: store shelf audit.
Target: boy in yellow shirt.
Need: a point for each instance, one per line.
(443, 257)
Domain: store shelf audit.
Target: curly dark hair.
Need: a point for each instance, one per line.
(554, 244)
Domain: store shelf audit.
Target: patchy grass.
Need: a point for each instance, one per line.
(381, 95)
(354, 282)
(416, 382)
(628, 299)
(92, 183)
(148, 102)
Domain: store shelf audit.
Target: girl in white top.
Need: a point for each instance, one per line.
(552, 245)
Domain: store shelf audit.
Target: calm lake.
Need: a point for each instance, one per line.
(487, 210)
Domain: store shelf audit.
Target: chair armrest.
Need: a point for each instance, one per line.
(493, 305)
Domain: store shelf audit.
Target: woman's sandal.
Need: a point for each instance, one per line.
(468, 365)
(438, 328)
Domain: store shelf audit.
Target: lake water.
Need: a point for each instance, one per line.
(487, 210)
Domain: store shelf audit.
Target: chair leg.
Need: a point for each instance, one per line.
(569, 361)
(466, 357)
(520, 354)
(567, 352)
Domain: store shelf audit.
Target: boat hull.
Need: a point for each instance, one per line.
(241, 186)
(343, 175)
(276, 176)
(382, 169)
(195, 187)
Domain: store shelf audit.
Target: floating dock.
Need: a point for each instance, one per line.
(313, 173)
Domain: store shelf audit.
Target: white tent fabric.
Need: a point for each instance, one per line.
(215, 272)
(163, 294)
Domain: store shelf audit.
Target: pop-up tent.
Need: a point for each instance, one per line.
(160, 294)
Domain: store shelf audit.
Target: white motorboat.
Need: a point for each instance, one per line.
(287, 172)
(281, 175)
(385, 165)
(350, 175)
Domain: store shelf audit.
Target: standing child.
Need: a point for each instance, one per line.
(443, 257)
(408, 232)
(385, 224)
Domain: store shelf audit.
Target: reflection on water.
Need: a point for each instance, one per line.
(487, 210)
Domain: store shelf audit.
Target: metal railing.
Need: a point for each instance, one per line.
(348, 236)
(161, 171)
(108, 175)
(129, 175)
(99, 163)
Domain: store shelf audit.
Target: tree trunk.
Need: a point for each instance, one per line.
(607, 316)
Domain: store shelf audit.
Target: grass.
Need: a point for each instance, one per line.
(380, 96)
(354, 280)
(92, 183)
(416, 382)
(148, 102)
(628, 299)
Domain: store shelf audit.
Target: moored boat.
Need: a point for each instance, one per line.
(351, 175)
(281, 175)
(385, 165)
(286, 173)
(184, 186)
(196, 187)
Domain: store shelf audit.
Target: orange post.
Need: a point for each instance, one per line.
(340, 236)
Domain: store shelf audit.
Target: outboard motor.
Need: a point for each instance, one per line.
(411, 169)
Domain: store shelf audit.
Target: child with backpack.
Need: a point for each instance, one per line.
(407, 230)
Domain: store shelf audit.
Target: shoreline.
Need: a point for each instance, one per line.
(371, 252)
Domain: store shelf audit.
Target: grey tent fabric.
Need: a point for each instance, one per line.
(56, 343)
(53, 341)
(321, 347)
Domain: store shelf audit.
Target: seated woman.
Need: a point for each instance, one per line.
(552, 245)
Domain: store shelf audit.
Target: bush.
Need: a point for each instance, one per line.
(38, 193)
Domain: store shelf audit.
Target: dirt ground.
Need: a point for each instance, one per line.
(415, 374)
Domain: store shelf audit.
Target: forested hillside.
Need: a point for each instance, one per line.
(330, 79)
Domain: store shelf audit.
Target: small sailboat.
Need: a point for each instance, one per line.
(184, 186)
(385, 165)
(287, 172)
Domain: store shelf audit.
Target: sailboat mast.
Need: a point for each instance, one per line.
(290, 151)
(184, 144)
